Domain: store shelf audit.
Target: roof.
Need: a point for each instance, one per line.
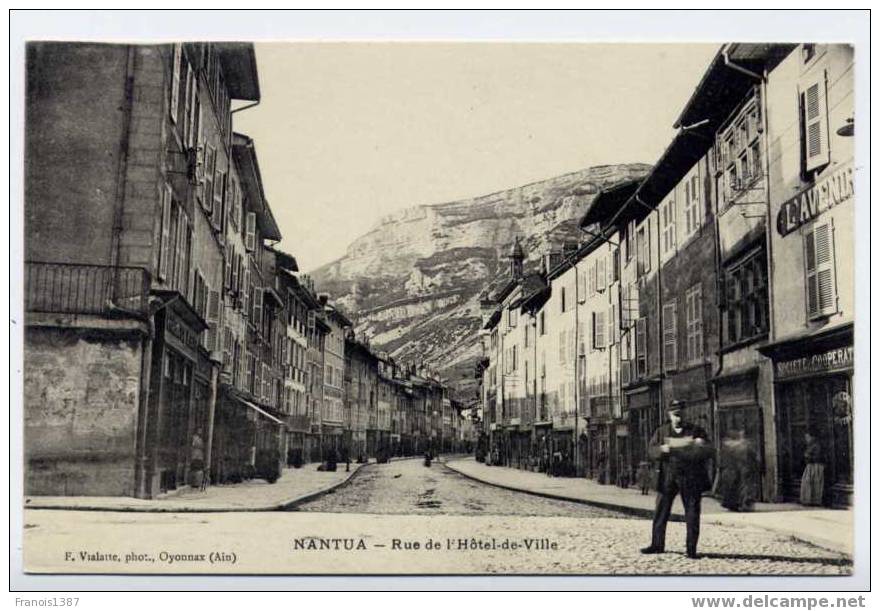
(721, 87)
(246, 158)
(609, 202)
(341, 318)
(493, 319)
(536, 294)
(285, 261)
(239, 63)
(719, 92)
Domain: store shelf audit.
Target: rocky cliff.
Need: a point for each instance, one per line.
(412, 283)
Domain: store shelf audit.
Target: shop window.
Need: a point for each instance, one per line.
(745, 309)
(820, 272)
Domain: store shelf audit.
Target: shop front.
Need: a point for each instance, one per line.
(813, 386)
(738, 409)
(179, 399)
(644, 417)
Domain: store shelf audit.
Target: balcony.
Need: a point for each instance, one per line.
(70, 288)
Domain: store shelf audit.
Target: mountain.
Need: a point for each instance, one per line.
(412, 283)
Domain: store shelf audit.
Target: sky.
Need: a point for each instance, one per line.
(347, 133)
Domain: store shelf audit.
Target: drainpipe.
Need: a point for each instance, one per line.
(727, 62)
(122, 167)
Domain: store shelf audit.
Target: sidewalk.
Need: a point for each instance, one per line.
(295, 486)
(827, 528)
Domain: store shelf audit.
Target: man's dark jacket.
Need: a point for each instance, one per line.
(682, 468)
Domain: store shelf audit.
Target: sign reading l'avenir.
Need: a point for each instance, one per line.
(831, 191)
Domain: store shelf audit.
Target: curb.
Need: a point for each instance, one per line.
(633, 511)
(283, 506)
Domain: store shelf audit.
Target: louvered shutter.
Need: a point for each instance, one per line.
(227, 268)
(175, 83)
(601, 281)
(213, 317)
(165, 245)
(187, 108)
(581, 339)
(246, 291)
(815, 111)
(612, 330)
(670, 339)
(641, 347)
(250, 230)
(598, 330)
(821, 281)
(258, 307)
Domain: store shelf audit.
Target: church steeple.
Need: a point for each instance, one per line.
(516, 259)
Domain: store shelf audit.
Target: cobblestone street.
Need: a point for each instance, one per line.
(408, 487)
(404, 518)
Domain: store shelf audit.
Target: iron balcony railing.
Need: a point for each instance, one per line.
(72, 288)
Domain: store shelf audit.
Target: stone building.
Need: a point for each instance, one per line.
(125, 192)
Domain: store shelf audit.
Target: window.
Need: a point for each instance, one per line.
(599, 330)
(525, 335)
(814, 123)
(601, 279)
(694, 322)
(643, 246)
(667, 222)
(738, 150)
(583, 285)
(820, 271)
(641, 347)
(562, 304)
(542, 328)
(175, 82)
(511, 318)
(615, 265)
(210, 170)
(670, 337)
(250, 231)
(745, 312)
(692, 208)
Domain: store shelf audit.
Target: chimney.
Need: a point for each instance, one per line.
(322, 299)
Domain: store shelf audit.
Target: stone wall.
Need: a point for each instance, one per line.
(81, 392)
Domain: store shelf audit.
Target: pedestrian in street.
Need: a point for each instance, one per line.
(681, 449)
(643, 477)
(738, 472)
(813, 479)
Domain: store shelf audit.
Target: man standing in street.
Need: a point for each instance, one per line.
(681, 449)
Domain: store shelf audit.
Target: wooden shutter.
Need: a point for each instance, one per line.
(258, 307)
(250, 231)
(821, 281)
(612, 327)
(641, 346)
(816, 150)
(175, 82)
(219, 197)
(599, 330)
(165, 244)
(670, 338)
(601, 280)
(227, 267)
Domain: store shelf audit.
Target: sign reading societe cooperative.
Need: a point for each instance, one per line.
(832, 360)
(831, 191)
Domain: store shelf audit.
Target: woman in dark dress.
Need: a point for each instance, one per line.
(813, 480)
(738, 468)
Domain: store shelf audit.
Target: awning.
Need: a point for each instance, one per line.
(261, 411)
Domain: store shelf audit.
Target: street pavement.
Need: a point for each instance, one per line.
(828, 528)
(404, 518)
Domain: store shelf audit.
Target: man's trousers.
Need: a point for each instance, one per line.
(691, 501)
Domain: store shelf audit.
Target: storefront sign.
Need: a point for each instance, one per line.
(831, 191)
(839, 358)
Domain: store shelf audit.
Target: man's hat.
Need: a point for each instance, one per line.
(675, 406)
